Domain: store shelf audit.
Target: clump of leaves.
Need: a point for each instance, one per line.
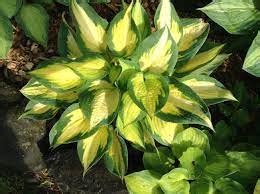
(193, 166)
(241, 17)
(31, 17)
(238, 129)
(120, 81)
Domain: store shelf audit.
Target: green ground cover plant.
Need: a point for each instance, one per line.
(240, 17)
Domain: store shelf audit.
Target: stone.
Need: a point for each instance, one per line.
(29, 65)
(18, 141)
(8, 93)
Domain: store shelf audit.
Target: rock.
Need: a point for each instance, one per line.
(29, 65)
(65, 168)
(18, 140)
(8, 94)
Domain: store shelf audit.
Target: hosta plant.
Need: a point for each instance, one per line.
(120, 81)
(192, 166)
(241, 17)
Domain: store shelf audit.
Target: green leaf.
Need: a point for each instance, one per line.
(39, 111)
(194, 160)
(122, 36)
(71, 127)
(162, 131)
(54, 74)
(114, 73)
(195, 32)
(202, 186)
(228, 186)
(141, 20)
(67, 43)
(132, 133)
(257, 187)
(90, 27)
(190, 137)
(64, 2)
(9, 8)
(145, 182)
(252, 64)
(208, 88)
(6, 36)
(217, 166)
(148, 91)
(100, 103)
(176, 182)
(222, 139)
(158, 53)
(246, 166)
(184, 106)
(129, 112)
(27, 17)
(236, 17)
(35, 91)
(116, 158)
(198, 61)
(166, 15)
(92, 149)
(160, 161)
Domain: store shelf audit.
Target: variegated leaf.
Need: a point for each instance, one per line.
(100, 103)
(38, 111)
(92, 149)
(204, 186)
(141, 20)
(71, 127)
(129, 112)
(90, 67)
(162, 131)
(116, 159)
(199, 60)
(158, 53)
(55, 75)
(195, 32)
(39, 93)
(166, 15)
(145, 182)
(236, 17)
(191, 137)
(209, 67)
(91, 28)
(160, 161)
(252, 60)
(67, 43)
(176, 182)
(229, 186)
(132, 133)
(184, 106)
(122, 33)
(208, 88)
(148, 91)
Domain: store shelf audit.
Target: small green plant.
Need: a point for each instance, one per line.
(193, 166)
(239, 17)
(31, 17)
(120, 81)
